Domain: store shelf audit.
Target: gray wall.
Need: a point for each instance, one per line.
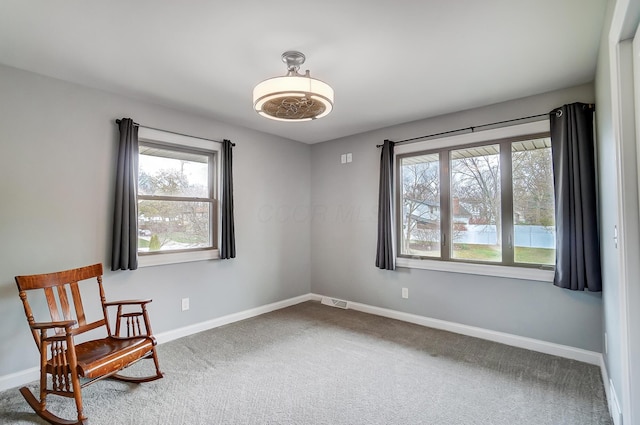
(57, 146)
(343, 234)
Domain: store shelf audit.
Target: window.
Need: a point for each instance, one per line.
(533, 202)
(489, 202)
(177, 198)
(420, 177)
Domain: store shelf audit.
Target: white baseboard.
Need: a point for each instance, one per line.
(605, 382)
(612, 398)
(560, 350)
(23, 377)
(225, 320)
(19, 378)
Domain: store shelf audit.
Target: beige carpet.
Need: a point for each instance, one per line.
(313, 364)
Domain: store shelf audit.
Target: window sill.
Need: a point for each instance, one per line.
(478, 269)
(177, 257)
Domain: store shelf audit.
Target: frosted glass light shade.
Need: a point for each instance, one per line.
(293, 98)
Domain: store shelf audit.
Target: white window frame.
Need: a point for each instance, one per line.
(514, 272)
(179, 140)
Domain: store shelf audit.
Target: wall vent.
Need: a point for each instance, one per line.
(333, 302)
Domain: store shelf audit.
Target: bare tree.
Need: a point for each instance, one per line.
(167, 217)
(476, 182)
(421, 193)
(533, 186)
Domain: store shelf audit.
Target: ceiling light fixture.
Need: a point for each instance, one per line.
(294, 97)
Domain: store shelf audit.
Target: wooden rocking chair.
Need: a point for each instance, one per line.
(64, 361)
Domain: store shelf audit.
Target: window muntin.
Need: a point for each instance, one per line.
(176, 199)
(485, 194)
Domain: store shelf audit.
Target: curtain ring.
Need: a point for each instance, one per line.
(558, 113)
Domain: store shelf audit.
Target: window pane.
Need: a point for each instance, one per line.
(164, 172)
(172, 225)
(475, 204)
(420, 176)
(533, 202)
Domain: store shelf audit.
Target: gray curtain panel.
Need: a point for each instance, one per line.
(384, 255)
(577, 243)
(124, 253)
(228, 248)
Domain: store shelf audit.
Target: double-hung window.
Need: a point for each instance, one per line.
(487, 202)
(177, 198)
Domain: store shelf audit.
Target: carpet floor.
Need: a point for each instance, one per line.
(313, 364)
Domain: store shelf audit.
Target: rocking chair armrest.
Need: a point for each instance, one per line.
(126, 302)
(50, 325)
(53, 338)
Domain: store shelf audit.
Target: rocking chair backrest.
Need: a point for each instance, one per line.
(57, 287)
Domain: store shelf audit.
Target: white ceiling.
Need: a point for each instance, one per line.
(389, 62)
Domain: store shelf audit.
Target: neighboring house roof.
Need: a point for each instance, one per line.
(458, 210)
(429, 203)
(424, 220)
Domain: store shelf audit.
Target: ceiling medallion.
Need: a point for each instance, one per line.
(294, 97)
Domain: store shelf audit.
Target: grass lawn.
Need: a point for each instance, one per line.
(492, 253)
(467, 251)
(535, 255)
(178, 237)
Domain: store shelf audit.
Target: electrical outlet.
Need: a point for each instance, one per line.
(405, 292)
(185, 304)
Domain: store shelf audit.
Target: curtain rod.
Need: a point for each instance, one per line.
(473, 128)
(173, 132)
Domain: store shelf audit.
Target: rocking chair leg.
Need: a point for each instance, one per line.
(75, 380)
(77, 395)
(157, 364)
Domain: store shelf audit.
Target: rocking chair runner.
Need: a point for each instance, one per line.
(64, 360)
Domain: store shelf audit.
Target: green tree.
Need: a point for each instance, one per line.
(154, 243)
